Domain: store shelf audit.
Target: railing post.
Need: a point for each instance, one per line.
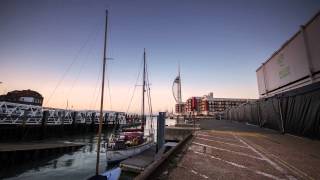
(24, 118)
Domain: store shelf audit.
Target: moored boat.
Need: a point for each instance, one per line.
(121, 149)
(130, 142)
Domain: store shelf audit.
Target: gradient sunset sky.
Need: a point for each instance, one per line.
(219, 45)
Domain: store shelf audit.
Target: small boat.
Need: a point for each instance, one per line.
(113, 174)
(130, 142)
(127, 144)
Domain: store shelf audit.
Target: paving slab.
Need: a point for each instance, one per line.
(231, 150)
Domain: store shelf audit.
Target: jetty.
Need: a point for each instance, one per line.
(12, 154)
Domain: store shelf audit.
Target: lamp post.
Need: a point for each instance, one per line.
(3, 88)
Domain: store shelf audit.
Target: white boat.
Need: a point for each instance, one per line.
(113, 174)
(122, 154)
(130, 142)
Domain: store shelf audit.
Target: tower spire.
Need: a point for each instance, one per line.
(179, 85)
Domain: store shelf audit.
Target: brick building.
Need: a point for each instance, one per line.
(207, 105)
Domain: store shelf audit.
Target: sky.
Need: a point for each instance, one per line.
(56, 47)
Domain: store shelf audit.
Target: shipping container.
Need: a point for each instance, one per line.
(295, 64)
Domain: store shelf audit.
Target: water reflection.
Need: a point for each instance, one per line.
(55, 164)
(76, 165)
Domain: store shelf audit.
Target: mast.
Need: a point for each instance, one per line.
(143, 87)
(102, 94)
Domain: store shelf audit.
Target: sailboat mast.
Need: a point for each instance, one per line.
(179, 90)
(143, 86)
(102, 94)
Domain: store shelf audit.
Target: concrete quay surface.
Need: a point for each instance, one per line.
(231, 150)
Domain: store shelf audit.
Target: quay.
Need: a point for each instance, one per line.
(175, 137)
(225, 149)
(12, 154)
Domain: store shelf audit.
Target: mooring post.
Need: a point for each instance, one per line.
(160, 130)
(62, 118)
(74, 117)
(24, 120)
(44, 119)
(93, 116)
(74, 126)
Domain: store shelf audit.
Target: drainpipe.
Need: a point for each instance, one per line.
(281, 116)
(307, 49)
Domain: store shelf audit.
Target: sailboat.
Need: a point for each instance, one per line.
(130, 142)
(113, 174)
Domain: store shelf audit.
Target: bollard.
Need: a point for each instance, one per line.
(160, 130)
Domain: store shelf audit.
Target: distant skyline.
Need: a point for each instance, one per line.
(57, 44)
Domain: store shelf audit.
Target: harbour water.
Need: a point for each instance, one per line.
(76, 165)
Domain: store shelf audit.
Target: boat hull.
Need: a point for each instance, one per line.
(113, 174)
(119, 155)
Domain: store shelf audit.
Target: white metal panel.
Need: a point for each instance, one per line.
(286, 66)
(290, 63)
(313, 39)
(260, 79)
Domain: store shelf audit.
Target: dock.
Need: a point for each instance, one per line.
(12, 154)
(137, 164)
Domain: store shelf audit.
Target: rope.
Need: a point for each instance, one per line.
(68, 68)
(135, 86)
(149, 97)
(108, 84)
(95, 89)
(83, 63)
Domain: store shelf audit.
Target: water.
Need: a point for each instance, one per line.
(76, 165)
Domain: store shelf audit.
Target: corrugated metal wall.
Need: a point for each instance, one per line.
(295, 112)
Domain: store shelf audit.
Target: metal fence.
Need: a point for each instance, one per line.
(15, 113)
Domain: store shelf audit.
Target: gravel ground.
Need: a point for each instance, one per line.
(231, 150)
